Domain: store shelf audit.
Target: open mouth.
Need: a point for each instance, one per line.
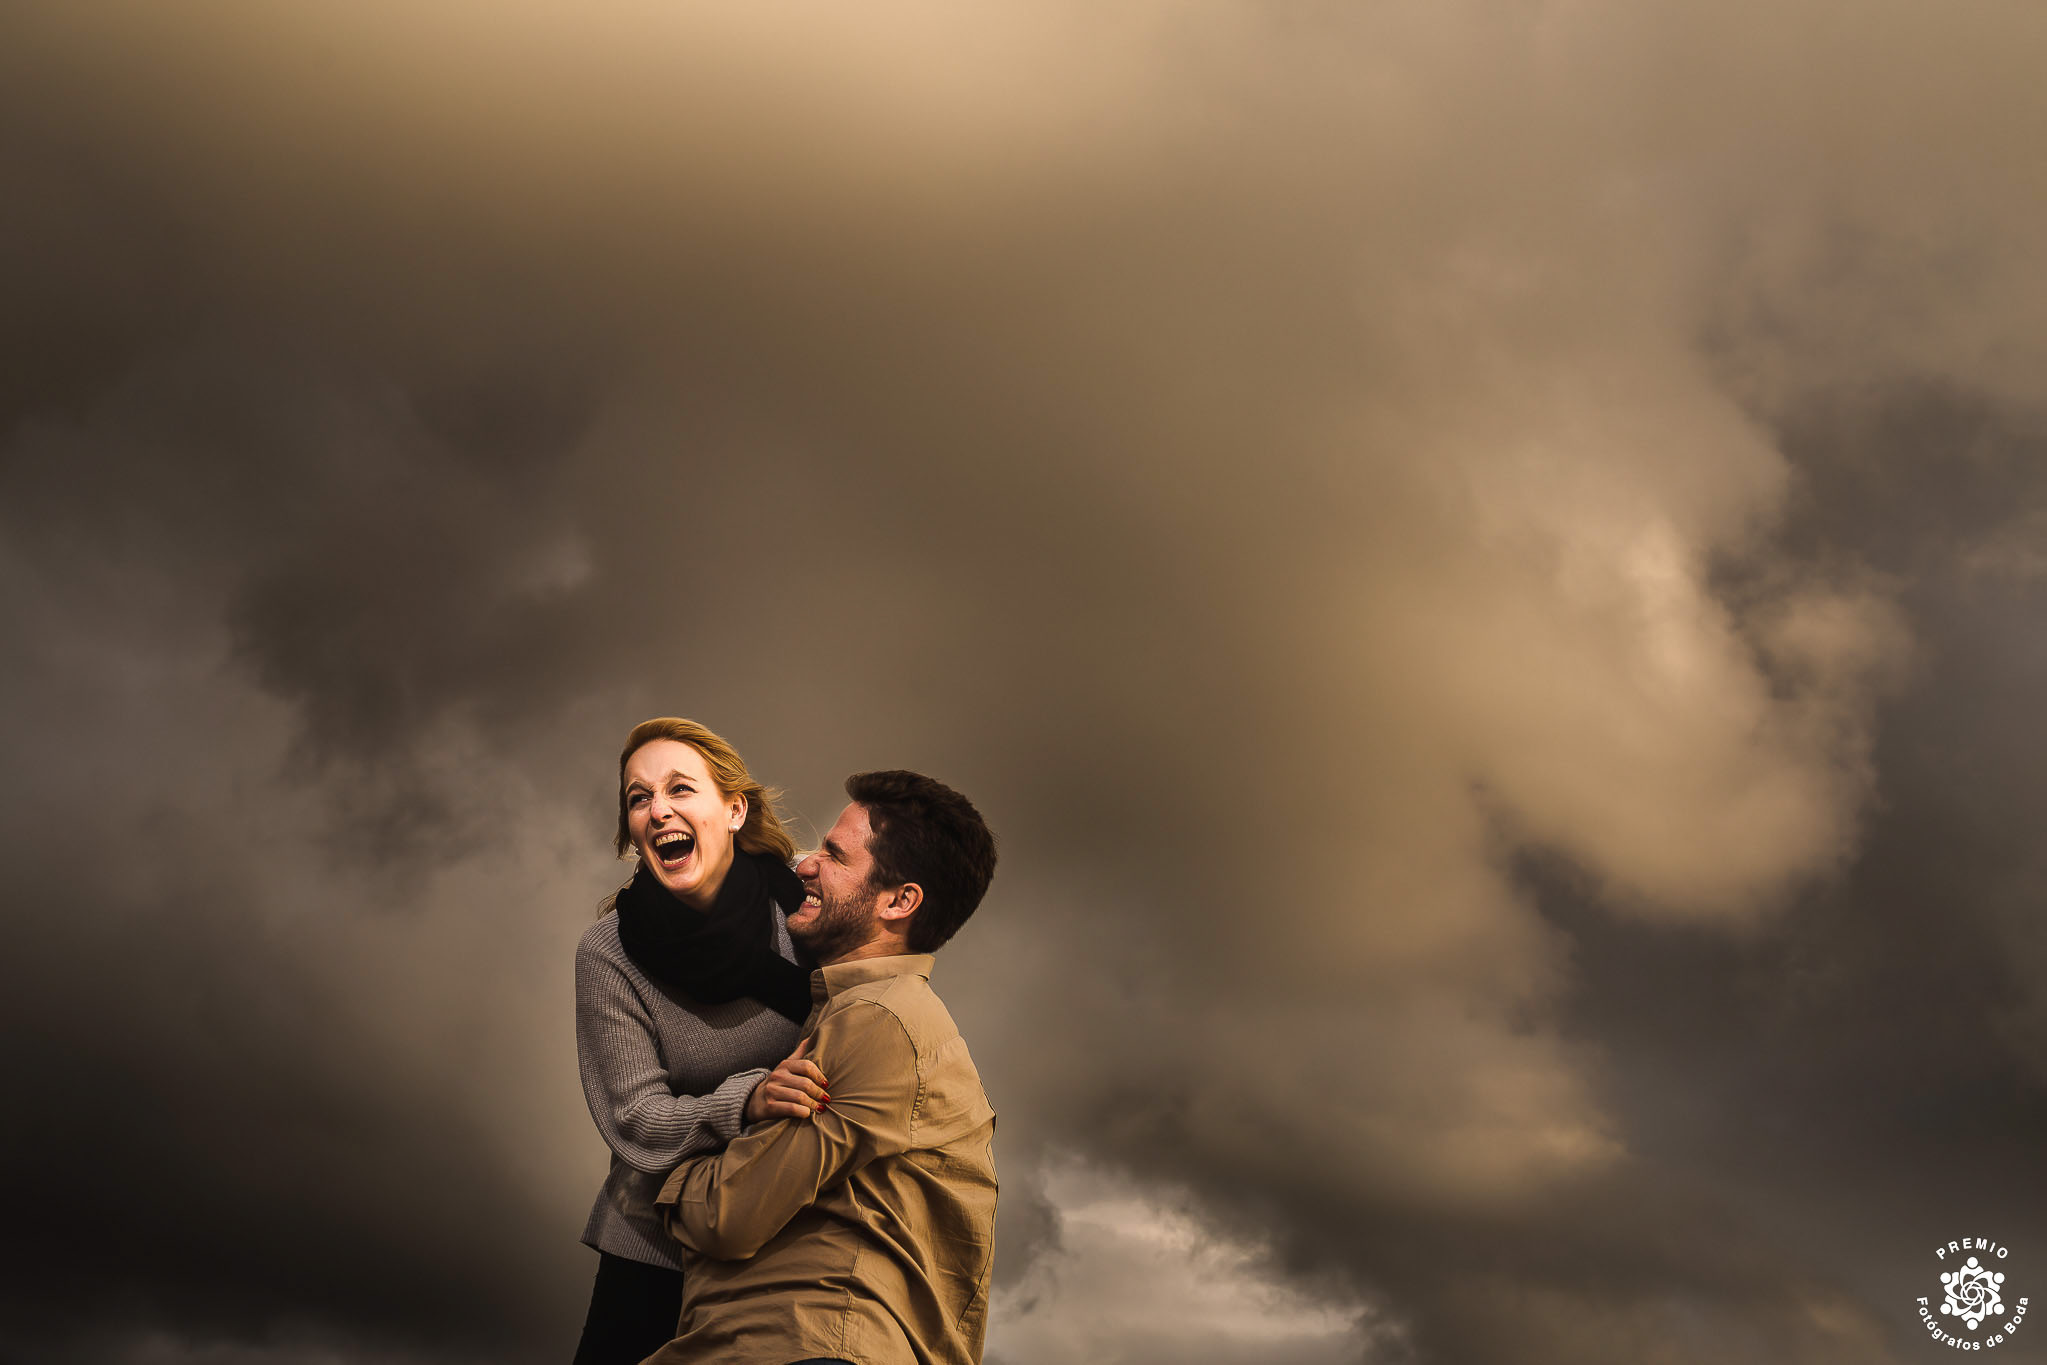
(672, 850)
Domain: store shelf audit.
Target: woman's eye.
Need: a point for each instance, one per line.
(636, 799)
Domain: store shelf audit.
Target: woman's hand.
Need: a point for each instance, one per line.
(793, 1090)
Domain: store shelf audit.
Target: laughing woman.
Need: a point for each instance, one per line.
(687, 991)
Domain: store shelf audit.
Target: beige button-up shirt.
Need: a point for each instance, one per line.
(865, 1232)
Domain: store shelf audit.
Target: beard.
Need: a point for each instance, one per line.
(840, 927)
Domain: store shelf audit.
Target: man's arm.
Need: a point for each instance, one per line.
(727, 1205)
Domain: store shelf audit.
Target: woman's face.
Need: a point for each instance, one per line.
(680, 822)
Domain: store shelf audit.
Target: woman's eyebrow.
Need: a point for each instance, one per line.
(674, 775)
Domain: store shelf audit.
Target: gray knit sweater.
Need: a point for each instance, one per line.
(665, 1077)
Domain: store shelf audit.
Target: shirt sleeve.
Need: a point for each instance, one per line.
(648, 1125)
(726, 1206)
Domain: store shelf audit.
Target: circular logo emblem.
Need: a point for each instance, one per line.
(1974, 1310)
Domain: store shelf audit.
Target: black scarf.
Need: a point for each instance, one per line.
(725, 952)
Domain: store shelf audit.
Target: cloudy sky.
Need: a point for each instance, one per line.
(1487, 562)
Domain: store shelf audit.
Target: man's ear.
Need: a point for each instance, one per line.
(901, 903)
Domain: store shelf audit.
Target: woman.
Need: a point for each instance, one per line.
(687, 990)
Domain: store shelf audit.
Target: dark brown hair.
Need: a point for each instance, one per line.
(927, 833)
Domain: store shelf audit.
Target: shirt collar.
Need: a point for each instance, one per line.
(826, 982)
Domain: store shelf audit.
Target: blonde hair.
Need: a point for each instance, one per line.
(762, 832)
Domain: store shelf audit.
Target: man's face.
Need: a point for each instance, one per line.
(837, 915)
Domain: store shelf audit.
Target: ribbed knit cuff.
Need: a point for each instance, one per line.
(725, 1107)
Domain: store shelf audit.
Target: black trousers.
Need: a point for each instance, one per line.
(633, 1310)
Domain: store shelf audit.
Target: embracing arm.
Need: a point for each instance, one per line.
(640, 1118)
(728, 1204)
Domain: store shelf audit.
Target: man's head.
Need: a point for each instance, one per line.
(900, 871)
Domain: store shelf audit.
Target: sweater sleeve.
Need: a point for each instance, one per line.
(649, 1126)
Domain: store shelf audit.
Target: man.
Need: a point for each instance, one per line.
(864, 1234)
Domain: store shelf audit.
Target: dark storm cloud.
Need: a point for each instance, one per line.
(1509, 734)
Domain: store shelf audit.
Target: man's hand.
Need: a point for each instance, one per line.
(793, 1090)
